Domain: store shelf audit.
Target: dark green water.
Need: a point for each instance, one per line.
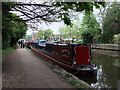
(108, 73)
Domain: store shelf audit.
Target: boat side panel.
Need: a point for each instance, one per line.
(62, 53)
(53, 60)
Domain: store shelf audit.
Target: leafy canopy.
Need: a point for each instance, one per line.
(12, 30)
(53, 11)
(111, 23)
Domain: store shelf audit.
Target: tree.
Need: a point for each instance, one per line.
(111, 23)
(101, 14)
(63, 32)
(90, 29)
(28, 37)
(39, 35)
(116, 38)
(12, 30)
(44, 34)
(47, 34)
(53, 11)
(69, 32)
(30, 14)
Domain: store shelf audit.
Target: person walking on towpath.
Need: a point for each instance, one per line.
(22, 44)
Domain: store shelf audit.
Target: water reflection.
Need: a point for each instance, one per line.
(108, 73)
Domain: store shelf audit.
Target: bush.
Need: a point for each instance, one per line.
(116, 38)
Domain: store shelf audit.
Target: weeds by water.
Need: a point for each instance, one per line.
(69, 77)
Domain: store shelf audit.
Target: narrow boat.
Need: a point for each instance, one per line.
(71, 56)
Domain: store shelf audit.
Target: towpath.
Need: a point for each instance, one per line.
(26, 69)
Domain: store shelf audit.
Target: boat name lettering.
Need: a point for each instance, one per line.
(65, 52)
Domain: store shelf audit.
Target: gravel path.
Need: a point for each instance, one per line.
(26, 69)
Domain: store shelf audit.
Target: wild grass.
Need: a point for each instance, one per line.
(7, 51)
(71, 79)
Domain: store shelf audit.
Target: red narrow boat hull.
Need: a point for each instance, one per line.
(72, 57)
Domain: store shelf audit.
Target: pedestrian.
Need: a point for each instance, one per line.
(23, 44)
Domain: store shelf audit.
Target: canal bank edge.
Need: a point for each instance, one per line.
(77, 83)
(106, 47)
(73, 80)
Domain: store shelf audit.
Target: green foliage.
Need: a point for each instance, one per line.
(67, 76)
(90, 29)
(39, 35)
(9, 50)
(28, 37)
(79, 42)
(12, 30)
(87, 37)
(111, 23)
(47, 33)
(116, 38)
(76, 6)
(70, 32)
(44, 34)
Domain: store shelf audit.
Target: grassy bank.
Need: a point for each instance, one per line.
(7, 51)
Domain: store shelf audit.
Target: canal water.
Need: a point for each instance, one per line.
(108, 72)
